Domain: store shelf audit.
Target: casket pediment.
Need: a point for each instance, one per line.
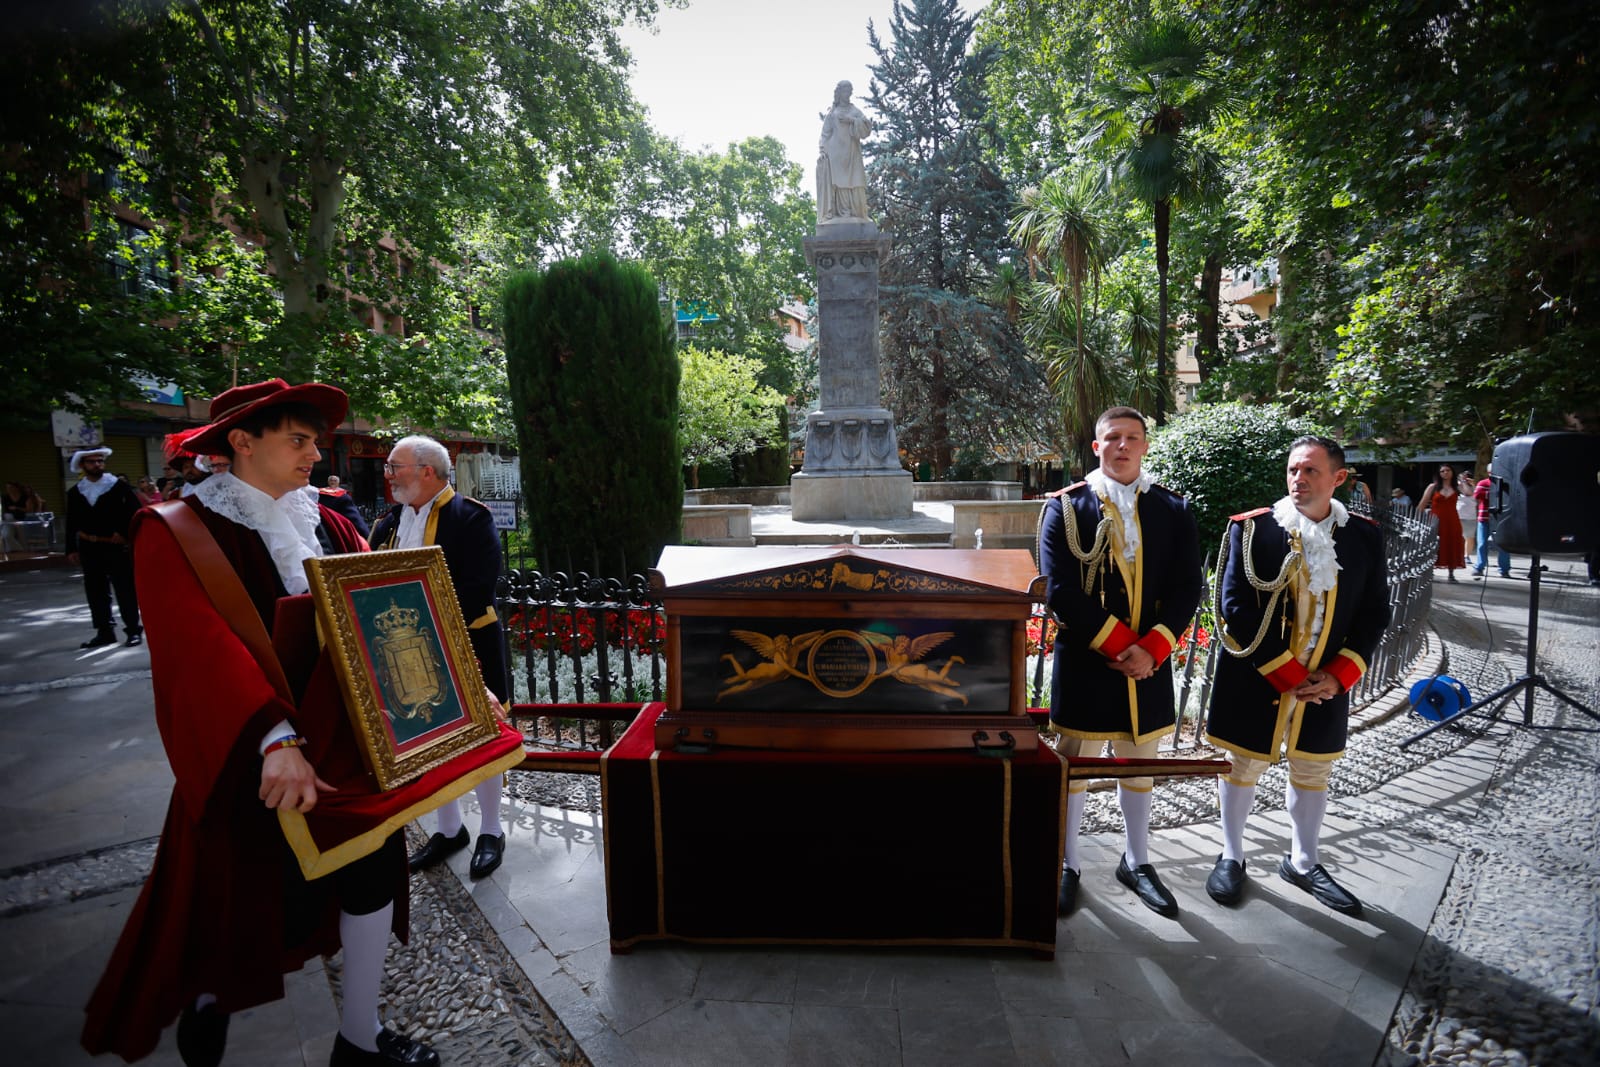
(850, 571)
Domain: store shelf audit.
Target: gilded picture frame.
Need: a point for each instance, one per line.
(394, 630)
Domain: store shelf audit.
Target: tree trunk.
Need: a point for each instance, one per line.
(1163, 212)
(1208, 330)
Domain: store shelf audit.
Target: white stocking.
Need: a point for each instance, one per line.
(1075, 803)
(489, 806)
(450, 818)
(1136, 824)
(366, 942)
(1306, 808)
(1236, 802)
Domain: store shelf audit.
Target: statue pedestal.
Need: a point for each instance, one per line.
(852, 460)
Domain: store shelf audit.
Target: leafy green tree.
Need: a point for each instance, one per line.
(594, 393)
(1427, 170)
(345, 148)
(725, 231)
(722, 409)
(957, 378)
(1226, 458)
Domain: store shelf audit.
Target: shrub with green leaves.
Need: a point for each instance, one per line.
(594, 394)
(1226, 458)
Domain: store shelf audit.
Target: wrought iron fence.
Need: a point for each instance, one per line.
(583, 654)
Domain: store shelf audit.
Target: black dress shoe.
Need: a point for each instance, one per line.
(393, 1050)
(135, 637)
(1320, 884)
(1067, 895)
(438, 849)
(100, 640)
(202, 1036)
(1226, 884)
(487, 856)
(1147, 886)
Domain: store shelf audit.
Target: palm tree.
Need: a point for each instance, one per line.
(1075, 352)
(1061, 221)
(1168, 84)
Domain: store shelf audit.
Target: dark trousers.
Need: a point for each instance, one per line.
(109, 567)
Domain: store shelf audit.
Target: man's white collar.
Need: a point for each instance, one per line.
(287, 525)
(1125, 498)
(1316, 540)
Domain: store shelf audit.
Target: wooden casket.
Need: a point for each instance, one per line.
(846, 649)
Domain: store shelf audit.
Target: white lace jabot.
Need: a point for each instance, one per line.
(93, 491)
(1125, 498)
(1316, 540)
(287, 525)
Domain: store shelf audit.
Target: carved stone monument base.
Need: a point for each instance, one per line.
(850, 495)
(852, 459)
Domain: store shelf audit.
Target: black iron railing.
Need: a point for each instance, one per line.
(584, 653)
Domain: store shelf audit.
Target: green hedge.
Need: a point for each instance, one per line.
(594, 393)
(1226, 458)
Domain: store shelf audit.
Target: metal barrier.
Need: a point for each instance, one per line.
(583, 654)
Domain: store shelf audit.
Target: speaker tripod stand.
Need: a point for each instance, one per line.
(1530, 681)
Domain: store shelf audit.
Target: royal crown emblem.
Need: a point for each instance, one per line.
(411, 674)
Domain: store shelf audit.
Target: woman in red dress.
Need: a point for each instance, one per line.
(1440, 499)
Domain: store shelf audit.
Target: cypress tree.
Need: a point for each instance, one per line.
(594, 394)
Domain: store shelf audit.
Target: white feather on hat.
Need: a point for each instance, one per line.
(75, 465)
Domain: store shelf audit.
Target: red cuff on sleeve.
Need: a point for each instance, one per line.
(1347, 667)
(1159, 642)
(1284, 672)
(1114, 638)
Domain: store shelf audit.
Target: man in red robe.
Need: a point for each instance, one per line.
(226, 911)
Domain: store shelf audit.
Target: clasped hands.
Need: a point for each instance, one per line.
(1317, 687)
(1134, 662)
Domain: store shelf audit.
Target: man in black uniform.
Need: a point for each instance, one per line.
(1121, 561)
(100, 510)
(1305, 600)
(430, 512)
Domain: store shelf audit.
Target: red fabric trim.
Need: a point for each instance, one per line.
(1115, 638)
(1285, 673)
(1158, 643)
(1345, 668)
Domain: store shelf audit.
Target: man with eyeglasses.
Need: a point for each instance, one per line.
(428, 511)
(100, 509)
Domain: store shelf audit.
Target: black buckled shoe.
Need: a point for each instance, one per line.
(487, 856)
(101, 639)
(1067, 895)
(202, 1036)
(394, 1050)
(438, 849)
(1146, 885)
(1320, 884)
(1226, 884)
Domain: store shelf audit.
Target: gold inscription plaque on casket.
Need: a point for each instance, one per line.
(846, 647)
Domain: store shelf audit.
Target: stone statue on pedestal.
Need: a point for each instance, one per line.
(852, 459)
(841, 176)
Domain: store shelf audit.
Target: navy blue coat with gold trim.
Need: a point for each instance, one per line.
(1087, 698)
(464, 528)
(1251, 711)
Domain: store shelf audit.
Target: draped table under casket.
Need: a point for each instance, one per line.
(844, 755)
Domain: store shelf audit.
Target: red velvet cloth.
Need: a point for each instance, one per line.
(225, 910)
(829, 847)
